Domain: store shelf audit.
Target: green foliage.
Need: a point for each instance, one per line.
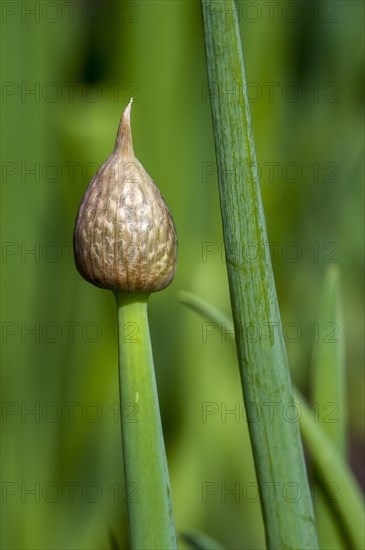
(310, 156)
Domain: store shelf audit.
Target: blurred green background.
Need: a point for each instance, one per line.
(68, 70)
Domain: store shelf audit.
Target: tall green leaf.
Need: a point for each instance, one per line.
(262, 357)
(328, 396)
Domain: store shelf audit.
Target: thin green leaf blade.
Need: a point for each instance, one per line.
(264, 370)
(328, 366)
(201, 541)
(328, 396)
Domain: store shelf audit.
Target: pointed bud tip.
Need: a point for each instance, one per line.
(127, 110)
(124, 135)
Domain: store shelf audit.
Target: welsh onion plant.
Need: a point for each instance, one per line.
(125, 241)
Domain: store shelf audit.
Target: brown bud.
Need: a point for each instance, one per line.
(125, 238)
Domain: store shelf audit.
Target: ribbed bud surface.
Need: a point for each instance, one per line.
(125, 238)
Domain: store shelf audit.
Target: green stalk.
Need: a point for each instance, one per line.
(276, 445)
(148, 495)
(329, 395)
(328, 366)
